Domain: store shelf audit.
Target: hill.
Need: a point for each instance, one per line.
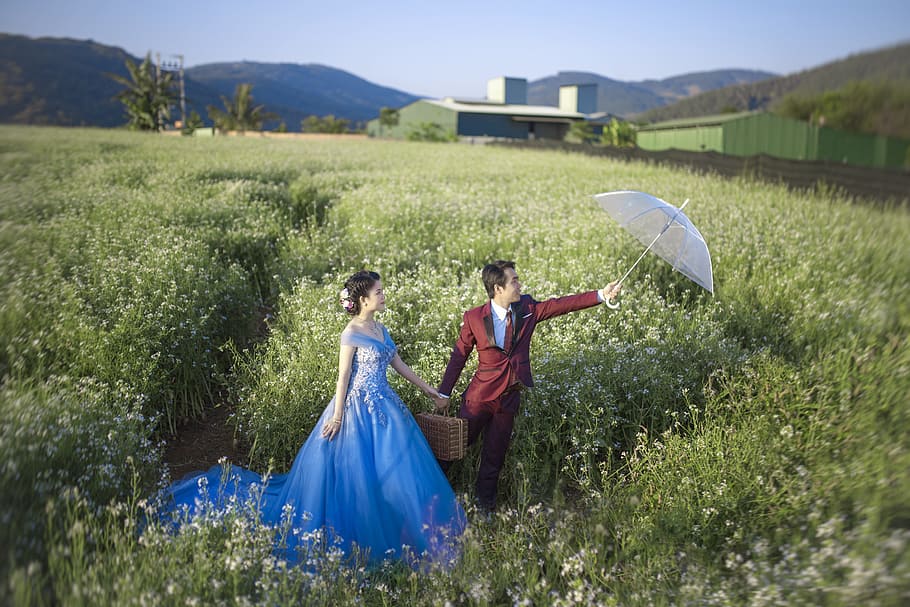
(889, 64)
(62, 81)
(629, 98)
(295, 91)
(59, 81)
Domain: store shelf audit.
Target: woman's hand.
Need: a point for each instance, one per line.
(331, 428)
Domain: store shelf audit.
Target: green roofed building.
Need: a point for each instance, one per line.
(503, 114)
(751, 133)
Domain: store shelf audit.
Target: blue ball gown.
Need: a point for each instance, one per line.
(376, 486)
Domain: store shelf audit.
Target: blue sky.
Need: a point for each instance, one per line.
(453, 48)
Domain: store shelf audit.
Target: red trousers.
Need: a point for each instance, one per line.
(495, 420)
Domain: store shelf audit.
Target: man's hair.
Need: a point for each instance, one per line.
(495, 274)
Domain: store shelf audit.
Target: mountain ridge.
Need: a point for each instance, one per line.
(296, 90)
(890, 63)
(624, 98)
(65, 81)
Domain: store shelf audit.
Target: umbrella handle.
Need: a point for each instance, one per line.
(612, 303)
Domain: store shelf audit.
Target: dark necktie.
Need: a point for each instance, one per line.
(507, 338)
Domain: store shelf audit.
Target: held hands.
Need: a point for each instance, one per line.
(441, 402)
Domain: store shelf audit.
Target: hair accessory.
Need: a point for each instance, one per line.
(346, 300)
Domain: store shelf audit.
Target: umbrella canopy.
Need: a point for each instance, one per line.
(664, 229)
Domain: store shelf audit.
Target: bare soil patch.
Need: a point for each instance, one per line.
(199, 444)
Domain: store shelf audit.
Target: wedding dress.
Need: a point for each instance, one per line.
(376, 488)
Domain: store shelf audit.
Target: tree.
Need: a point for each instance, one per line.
(239, 113)
(580, 132)
(148, 97)
(388, 117)
(336, 125)
(326, 124)
(430, 131)
(618, 133)
(867, 107)
(192, 123)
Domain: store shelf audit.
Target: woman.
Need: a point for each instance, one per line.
(366, 477)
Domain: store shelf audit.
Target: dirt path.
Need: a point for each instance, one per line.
(199, 444)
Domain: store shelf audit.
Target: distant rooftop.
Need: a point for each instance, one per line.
(696, 121)
(471, 100)
(490, 107)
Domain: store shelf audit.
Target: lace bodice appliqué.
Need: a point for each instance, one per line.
(369, 384)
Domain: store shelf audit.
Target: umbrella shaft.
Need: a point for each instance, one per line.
(640, 257)
(659, 234)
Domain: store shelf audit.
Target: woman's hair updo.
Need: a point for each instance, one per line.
(355, 287)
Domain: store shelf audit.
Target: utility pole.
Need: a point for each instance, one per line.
(159, 121)
(182, 94)
(175, 62)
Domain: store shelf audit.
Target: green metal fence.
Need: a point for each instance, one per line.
(763, 133)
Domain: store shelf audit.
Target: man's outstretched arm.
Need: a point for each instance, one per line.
(571, 303)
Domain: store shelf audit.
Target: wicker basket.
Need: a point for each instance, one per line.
(448, 436)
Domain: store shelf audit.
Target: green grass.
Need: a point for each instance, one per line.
(746, 448)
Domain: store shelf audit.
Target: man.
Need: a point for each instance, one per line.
(501, 331)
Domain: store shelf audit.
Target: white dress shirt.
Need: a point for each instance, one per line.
(499, 323)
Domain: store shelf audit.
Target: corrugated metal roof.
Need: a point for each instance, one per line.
(697, 121)
(485, 107)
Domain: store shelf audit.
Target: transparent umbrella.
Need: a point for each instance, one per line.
(663, 228)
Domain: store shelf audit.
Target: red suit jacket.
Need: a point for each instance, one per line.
(500, 368)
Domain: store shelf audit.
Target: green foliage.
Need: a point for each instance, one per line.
(66, 433)
(885, 65)
(742, 448)
(430, 131)
(286, 382)
(580, 131)
(239, 113)
(192, 123)
(222, 557)
(388, 116)
(864, 107)
(326, 124)
(145, 309)
(618, 133)
(149, 95)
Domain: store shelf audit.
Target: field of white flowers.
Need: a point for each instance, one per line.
(750, 448)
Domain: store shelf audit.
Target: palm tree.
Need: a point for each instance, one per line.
(148, 97)
(239, 114)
